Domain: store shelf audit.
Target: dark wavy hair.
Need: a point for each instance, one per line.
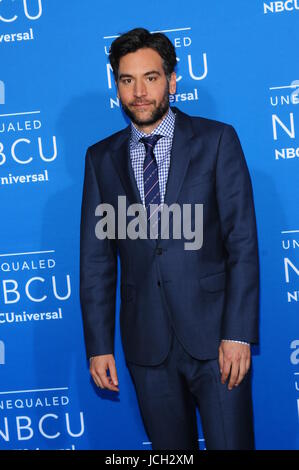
(140, 38)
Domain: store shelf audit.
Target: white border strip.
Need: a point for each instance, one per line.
(20, 114)
(28, 253)
(35, 390)
(160, 31)
(282, 87)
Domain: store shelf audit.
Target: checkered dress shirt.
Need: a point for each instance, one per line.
(162, 152)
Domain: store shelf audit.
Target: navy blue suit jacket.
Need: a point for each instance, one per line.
(206, 295)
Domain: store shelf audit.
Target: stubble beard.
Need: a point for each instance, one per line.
(157, 113)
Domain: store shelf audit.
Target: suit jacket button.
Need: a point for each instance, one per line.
(159, 251)
(159, 283)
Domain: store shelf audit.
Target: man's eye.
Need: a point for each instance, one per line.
(151, 79)
(126, 80)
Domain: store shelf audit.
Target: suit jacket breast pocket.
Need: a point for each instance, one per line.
(204, 178)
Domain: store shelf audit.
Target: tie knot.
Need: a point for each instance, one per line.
(150, 141)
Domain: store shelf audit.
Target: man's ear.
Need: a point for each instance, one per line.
(172, 83)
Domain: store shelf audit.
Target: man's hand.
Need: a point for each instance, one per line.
(234, 359)
(98, 368)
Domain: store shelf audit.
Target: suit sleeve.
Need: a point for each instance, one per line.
(238, 226)
(98, 272)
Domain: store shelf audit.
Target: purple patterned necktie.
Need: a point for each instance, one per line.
(151, 183)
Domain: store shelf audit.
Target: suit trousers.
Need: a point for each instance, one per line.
(168, 394)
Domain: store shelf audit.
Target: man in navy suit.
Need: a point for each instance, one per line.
(187, 317)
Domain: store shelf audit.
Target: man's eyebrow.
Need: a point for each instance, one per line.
(152, 71)
(127, 75)
(123, 75)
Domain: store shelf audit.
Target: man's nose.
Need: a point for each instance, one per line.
(140, 88)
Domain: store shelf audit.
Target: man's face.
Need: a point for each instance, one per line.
(143, 88)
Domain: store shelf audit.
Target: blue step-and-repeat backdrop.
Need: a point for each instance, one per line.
(237, 62)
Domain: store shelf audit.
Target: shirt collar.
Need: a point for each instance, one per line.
(165, 128)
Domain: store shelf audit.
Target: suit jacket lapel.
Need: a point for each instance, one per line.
(182, 148)
(121, 159)
(122, 163)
